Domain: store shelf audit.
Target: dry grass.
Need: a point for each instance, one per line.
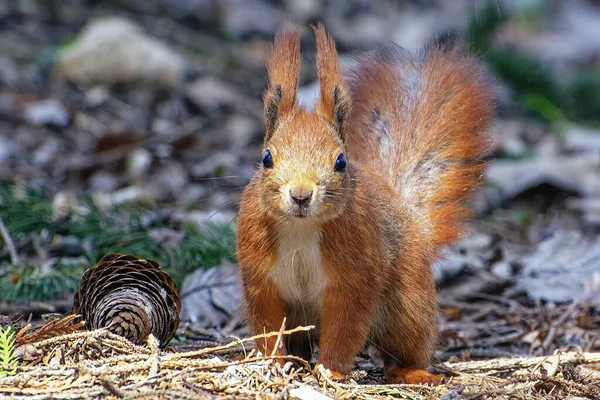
(92, 364)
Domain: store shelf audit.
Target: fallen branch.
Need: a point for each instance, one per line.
(522, 362)
(191, 354)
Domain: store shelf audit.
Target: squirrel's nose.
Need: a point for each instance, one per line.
(301, 197)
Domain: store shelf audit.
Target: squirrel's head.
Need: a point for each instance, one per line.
(305, 170)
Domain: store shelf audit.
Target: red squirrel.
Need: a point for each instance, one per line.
(339, 226)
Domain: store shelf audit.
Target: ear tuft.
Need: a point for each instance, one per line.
(334, 104)
(272, 109)
(341, 111)
(283, 68)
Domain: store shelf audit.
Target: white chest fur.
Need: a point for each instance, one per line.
(299, 272)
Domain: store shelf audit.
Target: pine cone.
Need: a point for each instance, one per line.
(130, 296)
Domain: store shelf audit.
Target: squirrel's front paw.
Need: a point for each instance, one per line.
(330, 373)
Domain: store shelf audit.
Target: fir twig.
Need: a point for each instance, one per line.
(8, 358)
(27, 282)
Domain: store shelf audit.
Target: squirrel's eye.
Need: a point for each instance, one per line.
(267, 160)
(340, 163)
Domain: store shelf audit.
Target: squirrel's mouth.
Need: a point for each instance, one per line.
(300, 212)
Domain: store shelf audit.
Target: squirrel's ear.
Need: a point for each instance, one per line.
(283, 67)
(334, 104)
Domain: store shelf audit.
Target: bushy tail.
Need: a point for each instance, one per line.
(423, 122)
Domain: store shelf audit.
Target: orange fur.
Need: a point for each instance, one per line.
(283, 67)
(334, 103)
(435, 114)
(354, 259)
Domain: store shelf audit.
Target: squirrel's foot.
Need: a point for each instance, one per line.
(330, 373)
(412, 376)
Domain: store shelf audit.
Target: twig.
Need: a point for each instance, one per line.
(111, 387)
(10, 245)
(398, 390)
(475, 352)
(574, 388)
(501, 300)
(191, 354)
(201, 364)
(96, 334)
(154, 358)
(321, 374)
(521, 362)
(279, 338)
(558, 322)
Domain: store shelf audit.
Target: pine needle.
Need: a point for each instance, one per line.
(56, 327)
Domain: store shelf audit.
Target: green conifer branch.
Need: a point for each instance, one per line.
(8, 357)
(96, 232)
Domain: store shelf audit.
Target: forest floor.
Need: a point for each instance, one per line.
(105, 149)
(62, 360)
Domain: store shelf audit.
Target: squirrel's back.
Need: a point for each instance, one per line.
(422, 122)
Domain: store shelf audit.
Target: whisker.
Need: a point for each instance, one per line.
(229, 226)
(220, 209)
(220, 193)
(217, 178)
(378, 347)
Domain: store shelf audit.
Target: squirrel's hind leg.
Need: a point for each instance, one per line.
(405, 329)
(406, 355)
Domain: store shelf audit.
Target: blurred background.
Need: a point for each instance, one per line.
(133, 125)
